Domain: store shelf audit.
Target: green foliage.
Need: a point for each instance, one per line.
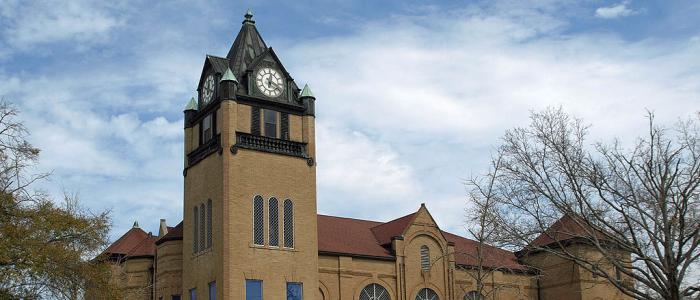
(45, 247)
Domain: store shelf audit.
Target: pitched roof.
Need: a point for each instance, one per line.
(566, 228)
(338, 235)
(246, 47)
(349, 236)
(369, 238)
(133, 243)
(385, 231)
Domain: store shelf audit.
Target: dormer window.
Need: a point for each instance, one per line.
(207, 128)
(270, 118)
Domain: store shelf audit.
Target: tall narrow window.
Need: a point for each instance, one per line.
(195, 231)
(212, 290)
(209, 225)
(253, 289)
(294, 291)
(207, 128)
(258, 221)
(424, 258)
(270, 123)
(202, 222)
(288, 224)
(193, 294)
(274, 220)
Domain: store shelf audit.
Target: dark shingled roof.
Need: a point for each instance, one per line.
(247, 46)
(219, 64)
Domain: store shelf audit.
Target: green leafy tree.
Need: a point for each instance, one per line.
(45, 247)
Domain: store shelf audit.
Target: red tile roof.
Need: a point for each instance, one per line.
(385, 231)
(369, 238)
(133, 243)
(338, 235)
(349, 236)
(565, 228)
(174, 233)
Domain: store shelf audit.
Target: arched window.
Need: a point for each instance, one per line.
(202, 223)
(427, 294)
(474, 295)
(288, 224)
(374, 292)
(258, 221)
(424, 258)
(274, 222)
(195, 231)
(209, 225)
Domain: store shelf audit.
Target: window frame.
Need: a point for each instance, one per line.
(301, 290)
(288, 230)
(195, 233)
(266, 113)
(255, 221)
(209, 225)
(273, 222)
(212, 120)
(260, 287)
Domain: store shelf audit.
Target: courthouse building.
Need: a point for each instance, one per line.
(251, 229)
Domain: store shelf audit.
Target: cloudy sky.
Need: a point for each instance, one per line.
(413, 95)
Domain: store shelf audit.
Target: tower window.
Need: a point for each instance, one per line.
(209, 225)
(195, 235)
(258, 221)
(424, 258)
(253, 289)
(288, 224)
(202, 232)
(273, 216)
(207, 126)
(212, 290)
(294, 291)
(270, 123)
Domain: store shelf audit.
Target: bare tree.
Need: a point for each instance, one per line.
(638, 208)
(483, 227)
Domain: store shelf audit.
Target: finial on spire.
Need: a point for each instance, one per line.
(136, 224)
(249, 17)
(306, 92)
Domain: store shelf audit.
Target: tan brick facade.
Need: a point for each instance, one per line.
(335, 260)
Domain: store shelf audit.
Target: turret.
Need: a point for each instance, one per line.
(308, 100)
(228, 85)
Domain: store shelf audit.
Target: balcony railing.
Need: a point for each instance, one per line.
(204, 150)
(268, 144)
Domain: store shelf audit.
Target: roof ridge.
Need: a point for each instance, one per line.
(349, 218)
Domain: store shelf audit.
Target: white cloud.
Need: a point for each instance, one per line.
(615, 11)
(81, 23)
(440, 93)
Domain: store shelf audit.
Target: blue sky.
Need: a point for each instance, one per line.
(412, 95)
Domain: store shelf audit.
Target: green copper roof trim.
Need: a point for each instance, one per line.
(192, 105)
(306, 92)
(228, 76)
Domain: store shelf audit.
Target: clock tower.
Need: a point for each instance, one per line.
(250, 217)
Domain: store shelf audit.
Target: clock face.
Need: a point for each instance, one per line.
(269, 82)
(208, 89)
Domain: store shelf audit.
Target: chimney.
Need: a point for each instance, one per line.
(163, 230)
